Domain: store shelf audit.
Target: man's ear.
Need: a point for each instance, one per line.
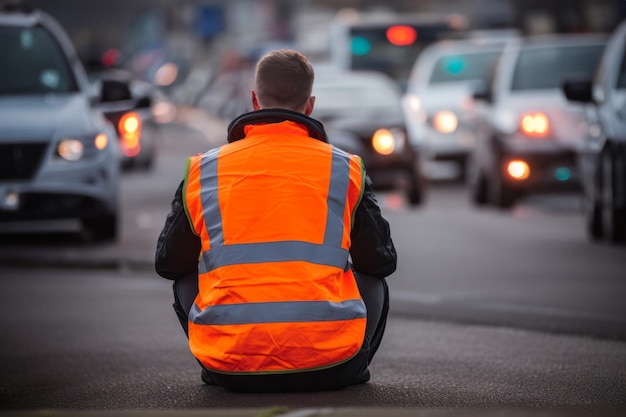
(310, 104)
(255, 101)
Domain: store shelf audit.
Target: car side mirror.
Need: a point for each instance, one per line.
(114, 90)
(144, 102)
(578, 90)
(482, 94)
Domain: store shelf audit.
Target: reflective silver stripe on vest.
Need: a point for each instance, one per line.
(330, 253)
(278, 312)
(210, 202)
(253, 253)
(340, 179)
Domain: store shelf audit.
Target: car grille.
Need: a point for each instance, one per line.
(19, 161)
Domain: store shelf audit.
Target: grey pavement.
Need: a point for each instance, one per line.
(127, 255)
(326, 412)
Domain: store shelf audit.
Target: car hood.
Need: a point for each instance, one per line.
(35, 117)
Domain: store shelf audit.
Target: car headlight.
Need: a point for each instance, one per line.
(101, 141)
(71, 149)
(445, 121)
(414, 110)
(388, 141)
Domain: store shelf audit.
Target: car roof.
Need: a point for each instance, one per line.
(465, 45)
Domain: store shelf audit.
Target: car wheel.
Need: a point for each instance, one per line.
(478, 189)
(100, 228)
(462, 167)
(415, 191)
(148, 163)
(499, 194)
(613, 219)
(592, 216)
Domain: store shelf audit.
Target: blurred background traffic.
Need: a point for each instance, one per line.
(473, 90)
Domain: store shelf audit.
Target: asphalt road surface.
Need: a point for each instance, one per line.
(489, 310)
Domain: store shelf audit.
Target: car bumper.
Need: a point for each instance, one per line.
(438, 146)
(553, 170)
(444, 147)
(64, 191)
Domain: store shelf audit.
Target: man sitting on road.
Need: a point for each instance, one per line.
(278, 249)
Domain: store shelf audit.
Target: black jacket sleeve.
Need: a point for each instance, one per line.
(372, 251)
(178, 246)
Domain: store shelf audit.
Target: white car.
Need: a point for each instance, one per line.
(529, 133)
(59, 156)
(602, 158)
(438, 102)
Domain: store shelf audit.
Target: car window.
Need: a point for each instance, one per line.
(544, 68)
(463, 67)
(33, 63)
(352, 95)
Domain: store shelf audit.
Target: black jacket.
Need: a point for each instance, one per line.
(372, 251)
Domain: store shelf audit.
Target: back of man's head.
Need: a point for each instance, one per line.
(283, 79)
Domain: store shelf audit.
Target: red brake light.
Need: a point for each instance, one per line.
(401, 35)
(129, 128)
(535, 125)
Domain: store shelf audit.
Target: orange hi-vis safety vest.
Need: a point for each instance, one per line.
(276, 289)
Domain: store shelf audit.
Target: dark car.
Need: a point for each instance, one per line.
(128, 104)
(364, 111)
(528, 132)
(59, 156)
(602, 158)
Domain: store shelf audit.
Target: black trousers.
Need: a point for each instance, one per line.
(375, 294)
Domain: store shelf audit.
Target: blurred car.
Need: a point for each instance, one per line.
(602, 158)
(528, 132)
(363, 114)
(129, 104)
(58, 154)
(438, 101)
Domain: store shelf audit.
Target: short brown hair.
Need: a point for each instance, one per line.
(283, 79)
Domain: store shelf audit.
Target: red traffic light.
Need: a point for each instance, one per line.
(401, 35)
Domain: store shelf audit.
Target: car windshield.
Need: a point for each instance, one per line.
(545, 68)
(463, 67)
(33, 63)
(355, 95)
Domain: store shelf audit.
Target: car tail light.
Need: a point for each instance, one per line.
(129, 128)
(535, 125)
(445, 122)
(518, 170)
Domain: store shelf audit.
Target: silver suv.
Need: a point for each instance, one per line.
(602, 158)
(59, 157)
